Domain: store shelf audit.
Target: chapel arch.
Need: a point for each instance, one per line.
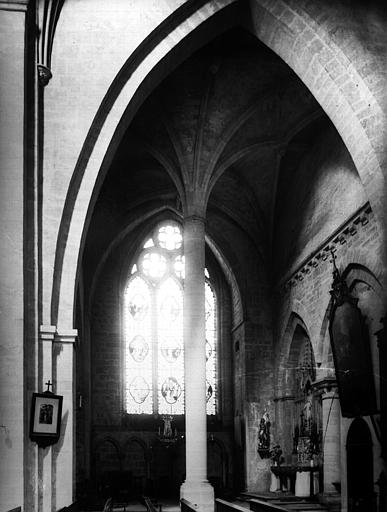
(107, 465)
(135, 465)
(292, 341)
(109, 126)
(298, 406)
(217, 464)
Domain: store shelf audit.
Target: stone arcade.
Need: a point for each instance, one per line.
(193, 251)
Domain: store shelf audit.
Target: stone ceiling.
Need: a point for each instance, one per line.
(229, 120)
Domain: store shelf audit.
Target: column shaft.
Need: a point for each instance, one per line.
(46, 338)
(196, 488)
(63, 451)
(331, 432)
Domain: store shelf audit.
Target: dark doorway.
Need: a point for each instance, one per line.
(360, 468)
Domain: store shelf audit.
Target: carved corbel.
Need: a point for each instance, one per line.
(48, 12)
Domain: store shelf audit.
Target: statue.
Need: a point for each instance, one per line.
(306, 415)
(264, 436)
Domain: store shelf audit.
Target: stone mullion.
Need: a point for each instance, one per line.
(154, 345)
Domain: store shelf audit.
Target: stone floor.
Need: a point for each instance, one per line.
(137, 506)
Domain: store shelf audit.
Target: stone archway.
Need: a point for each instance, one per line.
(217, 463)
(135, 466)
(285, 30)
(107, 466)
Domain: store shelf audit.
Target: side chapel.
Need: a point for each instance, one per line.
(193, 255)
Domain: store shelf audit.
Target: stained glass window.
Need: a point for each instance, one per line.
(210, 349)
(138, 347)
(153, 328)
(170, 348)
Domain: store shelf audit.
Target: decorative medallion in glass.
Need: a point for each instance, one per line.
(153, 328)
(138, 353)
(170, 309)
(209, 391)
(138, 348)
(138, 307)
(171, 390)
(171, 349)
(139, 389)
(171, 353)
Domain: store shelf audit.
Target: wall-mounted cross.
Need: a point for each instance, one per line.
(334, 260)
(48, 384)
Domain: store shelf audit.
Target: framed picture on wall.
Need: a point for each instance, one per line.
(46, 417)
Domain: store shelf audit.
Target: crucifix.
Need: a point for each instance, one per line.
(333, 259)
(48, 384)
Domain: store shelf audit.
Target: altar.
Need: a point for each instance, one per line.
(303, 481)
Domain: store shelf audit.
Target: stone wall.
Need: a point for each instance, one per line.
(314, 199)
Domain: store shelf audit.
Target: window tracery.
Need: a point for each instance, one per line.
(153, 328)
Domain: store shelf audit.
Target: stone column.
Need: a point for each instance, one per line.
(196, 488)
(63, 451)
(331, 439)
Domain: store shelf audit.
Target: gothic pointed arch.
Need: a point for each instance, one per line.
(265, 21)
(153, 327)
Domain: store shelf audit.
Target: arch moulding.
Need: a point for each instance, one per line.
(286, 29)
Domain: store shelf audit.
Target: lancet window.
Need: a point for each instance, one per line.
(153, 328)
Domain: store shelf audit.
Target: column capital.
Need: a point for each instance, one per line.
(69, 336)
(195, 201)
(194, 218)
(327, 388)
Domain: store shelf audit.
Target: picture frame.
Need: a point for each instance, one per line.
(46, 417)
